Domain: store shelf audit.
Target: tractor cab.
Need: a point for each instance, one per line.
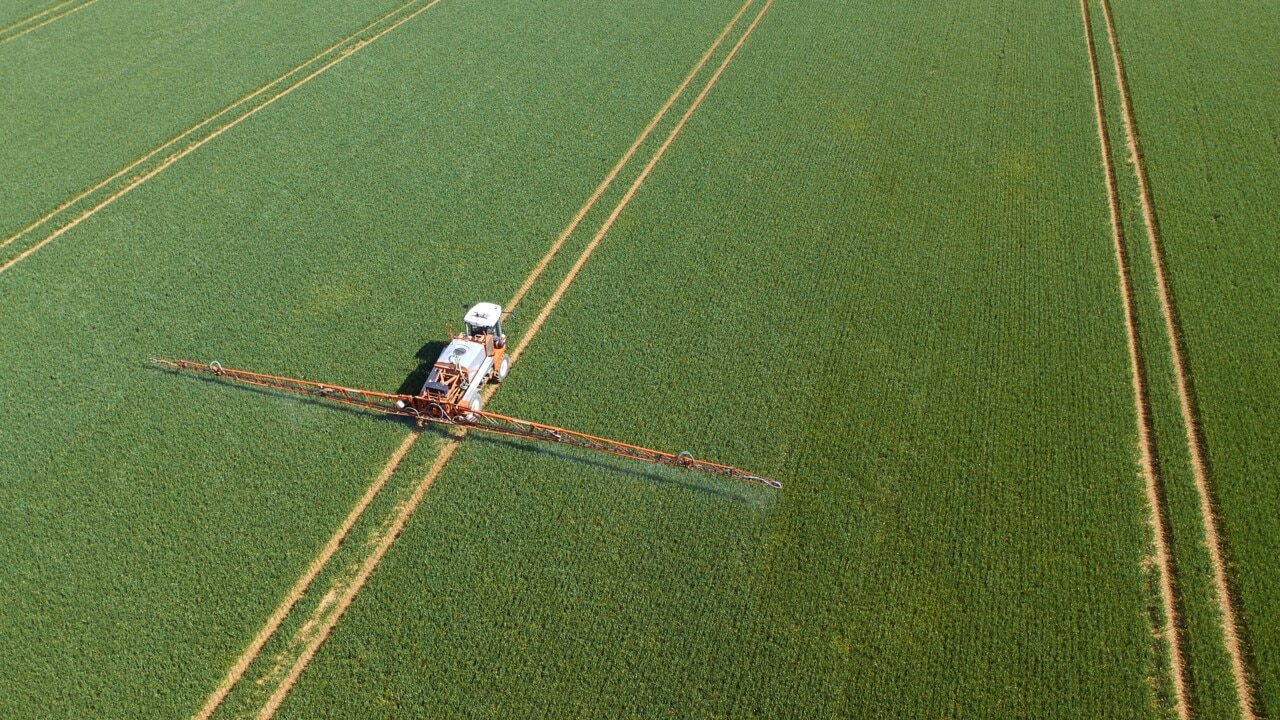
(485, 319)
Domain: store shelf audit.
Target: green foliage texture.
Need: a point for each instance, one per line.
(876, 265)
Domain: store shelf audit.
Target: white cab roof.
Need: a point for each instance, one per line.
(485, 314)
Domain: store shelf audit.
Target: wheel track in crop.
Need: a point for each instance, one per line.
(622, 161)
(36, 16)
(1151, 482)
(17, 30)
(323, 626)
(1182, 376)
(139, 171)
(631, 191)
(313, 632)
(300, 587)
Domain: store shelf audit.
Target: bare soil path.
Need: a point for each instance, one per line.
(384, 543)
(1151, 484)
(314, 631)
(34, 22)
(215, 125)
(1190, 421)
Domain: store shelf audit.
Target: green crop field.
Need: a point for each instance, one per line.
(1207, 117)
(19, 14)
(863, 248)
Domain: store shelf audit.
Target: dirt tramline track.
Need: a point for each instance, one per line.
(34, 16)
(1151, 483)
(1223, 601)
(1182, 376)
(128, 178)
(322, 628)
(622, 161)
(300, 586)
(324, 622)
(38, 20)
(316, 628)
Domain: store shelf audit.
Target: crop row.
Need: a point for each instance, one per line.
(23, 13)
(863, 270)
(126, 78)
(1212, 170)
(281, 667)
(159, 521)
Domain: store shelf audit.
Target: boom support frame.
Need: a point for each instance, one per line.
(425, 408)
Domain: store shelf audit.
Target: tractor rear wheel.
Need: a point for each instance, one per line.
(471, 407)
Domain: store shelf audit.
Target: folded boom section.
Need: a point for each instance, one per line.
(427, 409)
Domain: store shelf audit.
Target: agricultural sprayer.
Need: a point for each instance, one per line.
(451, 395)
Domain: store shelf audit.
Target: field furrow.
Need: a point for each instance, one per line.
(1182, 381)
(1207, 663)
(16, 15)
(989, 287)
(85, 204)
(1167, 620)
(288, 665)
(42, 18)
(304, 581)
(1206, 146)
(129, 76)
(856, 336)
(242, 490)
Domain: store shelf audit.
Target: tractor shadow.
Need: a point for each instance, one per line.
(426, 357)
(617, 468)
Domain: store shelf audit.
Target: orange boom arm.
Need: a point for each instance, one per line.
(426, 409)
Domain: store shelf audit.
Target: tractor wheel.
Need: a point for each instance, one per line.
(472, 406)
(504, 367)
